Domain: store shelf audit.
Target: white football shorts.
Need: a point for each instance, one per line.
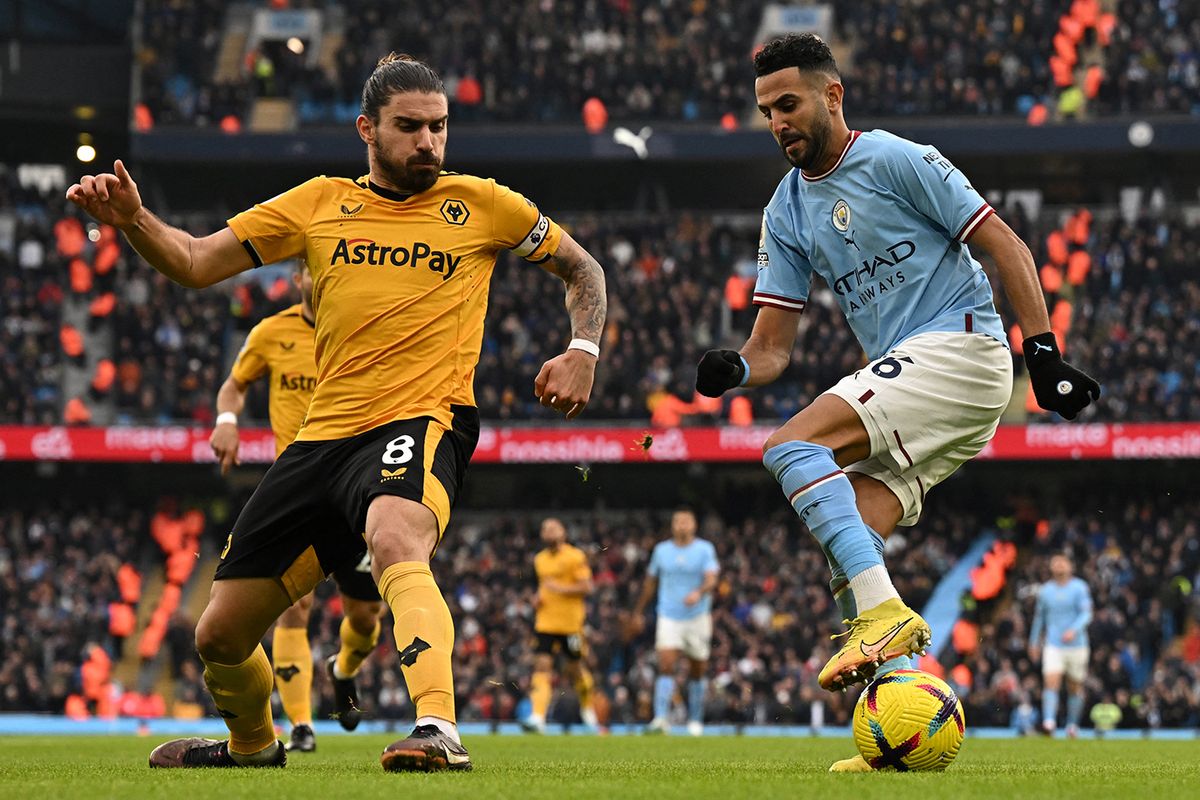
(1069, 661)
(691, 636)
(929, 405)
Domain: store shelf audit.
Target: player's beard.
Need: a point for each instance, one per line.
(407, 176)
(816, 140)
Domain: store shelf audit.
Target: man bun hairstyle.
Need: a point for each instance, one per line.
(805, 51)
(397, 73)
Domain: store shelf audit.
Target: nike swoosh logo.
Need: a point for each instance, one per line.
(873, 649)
(456, 758)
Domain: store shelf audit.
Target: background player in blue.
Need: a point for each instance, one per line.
(1063, 611)
(885, 222)
(683, 570)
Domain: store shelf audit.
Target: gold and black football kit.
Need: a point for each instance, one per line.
(558, 623)
(282, 348)
(400, 289)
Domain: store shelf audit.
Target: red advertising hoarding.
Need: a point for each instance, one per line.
(574, 444)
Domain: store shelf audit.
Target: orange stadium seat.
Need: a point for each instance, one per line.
(1078, 267)
(102, 305)
(741, 411)
(106, 258)
(69, 237)
(105, 375)
(1052, 279)
(76, 412)
(595, 115)
(72, 340)
(1060, 319)
(122, 621)
(129, 581)
(1056, 248)
(80, 276)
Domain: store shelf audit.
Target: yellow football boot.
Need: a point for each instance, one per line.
(879, 634)
(856, 764)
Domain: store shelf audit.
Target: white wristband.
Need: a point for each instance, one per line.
(227, 416)
(586, 346)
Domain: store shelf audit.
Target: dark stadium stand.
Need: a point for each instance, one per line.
(679, 285)
(679, 62)
(1140, 557)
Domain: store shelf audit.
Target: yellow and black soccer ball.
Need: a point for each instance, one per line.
(909, 720)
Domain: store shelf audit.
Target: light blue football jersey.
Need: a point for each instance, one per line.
(886, 228)
(680, 571)
(1060, 609)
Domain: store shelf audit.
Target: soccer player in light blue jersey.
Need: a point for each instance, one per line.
(885, 222)
(1062, 614)
(683, 571)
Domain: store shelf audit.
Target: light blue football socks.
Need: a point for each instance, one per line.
(664, 689)
(695, 699)
(821, 494)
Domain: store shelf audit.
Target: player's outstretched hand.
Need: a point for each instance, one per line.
(564, 383)
(1057, 385)
(632, 627)
(110, 197)
(718, 372)
(224, 441)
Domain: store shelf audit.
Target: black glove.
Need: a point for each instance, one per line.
(718, 372)
(1057, 385)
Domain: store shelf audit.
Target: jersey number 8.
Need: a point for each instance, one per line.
(399, 450)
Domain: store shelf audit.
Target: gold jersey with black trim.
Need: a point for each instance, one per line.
(283, 347)
(400, 288)
(559, 613)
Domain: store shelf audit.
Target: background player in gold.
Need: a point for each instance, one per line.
(282, 347)
(564, 582)
(401, 262)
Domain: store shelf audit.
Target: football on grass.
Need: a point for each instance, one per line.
(908, 720)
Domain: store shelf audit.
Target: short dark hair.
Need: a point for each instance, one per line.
(806, 51)
(397, 73)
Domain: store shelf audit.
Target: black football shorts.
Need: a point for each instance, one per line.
(571, 645)
(306, 519)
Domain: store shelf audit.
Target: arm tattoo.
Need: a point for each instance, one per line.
(587, 302)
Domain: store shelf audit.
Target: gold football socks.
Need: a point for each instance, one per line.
(355, 648)
(424, 635)
(242, 693)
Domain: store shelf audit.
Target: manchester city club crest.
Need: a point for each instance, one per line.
(841, 216)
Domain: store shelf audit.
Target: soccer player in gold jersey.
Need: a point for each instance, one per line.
(401, 261)
(564, 582)
(282, 347)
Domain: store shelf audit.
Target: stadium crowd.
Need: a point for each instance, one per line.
(59, 566)
(679, 284)
(31, 294)
(1140, 557)
(538, 61)
(773, 613)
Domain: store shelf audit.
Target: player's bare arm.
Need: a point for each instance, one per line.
(579, 588)
(766, 355)
(707, 587)
(231, 397)
(1057, 385)
(1017, 271)
(195, 262)
(637, 620)
(565, 381)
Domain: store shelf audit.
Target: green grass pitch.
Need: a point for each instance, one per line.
(581, 767)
